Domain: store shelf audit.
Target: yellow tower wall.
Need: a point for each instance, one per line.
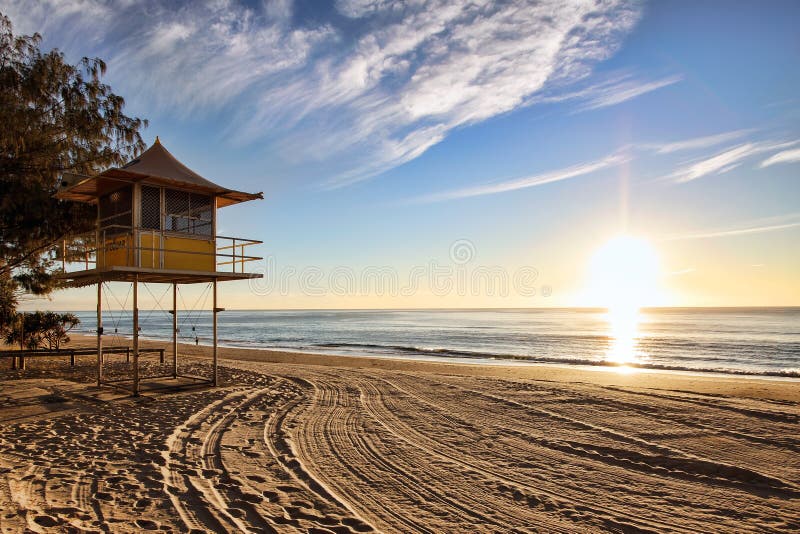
(159, 252)
(190, 254)
(116, 251)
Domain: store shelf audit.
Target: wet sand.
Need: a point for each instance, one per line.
(310, 443)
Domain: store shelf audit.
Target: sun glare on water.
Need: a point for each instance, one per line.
(624, 276)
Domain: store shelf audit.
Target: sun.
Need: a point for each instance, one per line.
(623, 277)
(624, 274)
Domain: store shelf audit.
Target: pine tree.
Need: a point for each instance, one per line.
(54, 118)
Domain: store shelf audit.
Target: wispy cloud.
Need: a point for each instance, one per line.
(356, 98)
(720, 163)
(726, 160)
(697, 143)
(785, 156)
(614, 90)
(567, 173)
(770, 224)
(627, 90)
(177, 58)
(714, 164)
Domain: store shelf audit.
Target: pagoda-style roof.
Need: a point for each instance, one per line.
(157, 166)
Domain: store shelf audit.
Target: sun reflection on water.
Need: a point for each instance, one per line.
(623, 323)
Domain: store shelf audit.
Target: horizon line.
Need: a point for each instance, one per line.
(488, 308)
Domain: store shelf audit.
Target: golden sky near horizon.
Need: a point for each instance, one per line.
(641, 273)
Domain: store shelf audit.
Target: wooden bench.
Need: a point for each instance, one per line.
(22, 354)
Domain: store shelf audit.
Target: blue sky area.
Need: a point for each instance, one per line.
(383, 132)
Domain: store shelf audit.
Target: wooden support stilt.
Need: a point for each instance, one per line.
(214, 357)
(136, 336)
(174, 330)
(99, 332)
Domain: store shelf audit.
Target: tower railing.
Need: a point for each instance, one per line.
(119, 245)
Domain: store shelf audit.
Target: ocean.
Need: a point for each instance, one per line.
(754, 341)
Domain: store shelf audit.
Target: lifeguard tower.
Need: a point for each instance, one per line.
(156, 223)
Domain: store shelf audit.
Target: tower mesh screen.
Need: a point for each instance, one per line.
(151, 207)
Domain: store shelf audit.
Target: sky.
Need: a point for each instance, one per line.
(427, 153)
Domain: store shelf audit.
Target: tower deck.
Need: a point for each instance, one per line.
(149, 275)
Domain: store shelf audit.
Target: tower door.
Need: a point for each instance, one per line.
(151, 247)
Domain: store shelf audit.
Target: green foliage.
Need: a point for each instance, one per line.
(56, 118)
(41, 330)
(8, 303)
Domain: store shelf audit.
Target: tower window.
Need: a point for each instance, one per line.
(188, 213)
(115, 211)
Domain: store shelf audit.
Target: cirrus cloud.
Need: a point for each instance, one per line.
(785, 156)
(358, 97)
(769, 224)
(727, 160)
(558, 175)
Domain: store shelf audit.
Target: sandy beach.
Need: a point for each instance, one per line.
(310, 443)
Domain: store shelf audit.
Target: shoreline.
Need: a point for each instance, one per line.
(479, 358)
(744, 386)
(684, 340)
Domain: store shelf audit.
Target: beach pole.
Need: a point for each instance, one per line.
(214, 353)
(22, 343)
(136, 335)
(99, 332)
(14, 360)
(174, 330)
